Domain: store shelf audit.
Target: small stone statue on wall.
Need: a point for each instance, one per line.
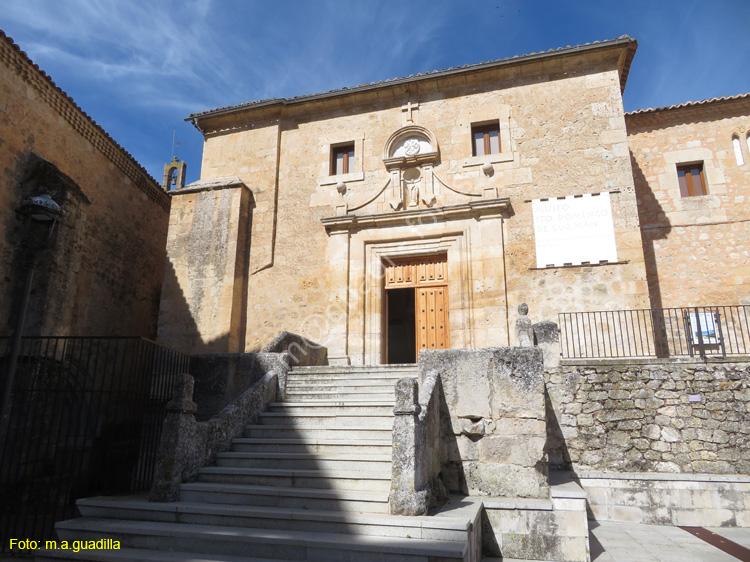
(524, 329)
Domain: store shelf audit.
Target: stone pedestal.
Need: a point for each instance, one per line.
(176, 441)
(408, 494)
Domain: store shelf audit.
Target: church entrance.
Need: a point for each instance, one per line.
(416, 307)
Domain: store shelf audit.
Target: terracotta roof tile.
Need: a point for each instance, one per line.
(146, 181)
(411, 77)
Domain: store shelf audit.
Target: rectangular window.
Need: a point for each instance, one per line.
(485, 139)
(342, 159)
(691, 179)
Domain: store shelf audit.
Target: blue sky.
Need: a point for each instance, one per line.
(139, 68)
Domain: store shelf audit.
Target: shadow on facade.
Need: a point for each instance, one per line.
(655, 226)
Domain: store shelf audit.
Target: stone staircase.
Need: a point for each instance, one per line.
(310, 481)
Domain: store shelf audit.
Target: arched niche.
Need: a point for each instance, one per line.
(410, 146)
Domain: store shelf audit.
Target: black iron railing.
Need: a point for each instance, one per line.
(665, 332)
(86, 417)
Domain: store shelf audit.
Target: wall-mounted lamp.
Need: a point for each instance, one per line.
(39, 213)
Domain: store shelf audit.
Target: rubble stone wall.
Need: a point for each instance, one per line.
(659, 417)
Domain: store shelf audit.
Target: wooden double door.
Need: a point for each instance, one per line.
(416, 304)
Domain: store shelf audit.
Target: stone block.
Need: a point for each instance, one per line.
(496, 479)
(534, 547)
(467, 449)
(629, 514)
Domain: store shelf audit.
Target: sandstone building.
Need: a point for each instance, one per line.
(417, 213)
(102, 272)
(382, 220)
(339, 215)
(695, 245)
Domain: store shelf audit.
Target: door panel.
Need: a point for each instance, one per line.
(432, 318)
(415, 271)
(426, 277)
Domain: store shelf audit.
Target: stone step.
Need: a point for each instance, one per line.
(336, 402)
(139, 554)
(322, 419)
(338, 408)
(362, 377)
(139, 509)
(324, 479)
(297, 498)
(264, 543)
(305, 461)
(309, 481)
(309, 396)
(354, 370)
(328, 383)
(381, 430)
(322, 446)
(311, 383)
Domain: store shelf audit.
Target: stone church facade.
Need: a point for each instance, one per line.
(410, 214)
(342, 216)
(419, 214)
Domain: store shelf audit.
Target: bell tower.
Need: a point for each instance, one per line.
(174, 175)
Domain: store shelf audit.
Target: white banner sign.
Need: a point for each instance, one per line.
(574, 229)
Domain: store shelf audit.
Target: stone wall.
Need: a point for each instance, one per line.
(102, 274)
(650, 417)
(187, 445)
(221, 377)
(538, 529)
(695, 247)
(700, 500)
(204, 295)
(563, 132)
(494, 399)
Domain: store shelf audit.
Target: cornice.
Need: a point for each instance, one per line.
(626, 43)
(213, 184)
(474, 209)
(19, 63)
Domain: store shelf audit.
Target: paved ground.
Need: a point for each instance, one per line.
(625, 542)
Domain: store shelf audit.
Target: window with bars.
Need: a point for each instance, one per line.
(342, 159)
(691, 179)
(485, 139)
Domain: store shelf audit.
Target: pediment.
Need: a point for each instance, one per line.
(410, 146)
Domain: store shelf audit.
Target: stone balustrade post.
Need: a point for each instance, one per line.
(177, 441)
(408, 495)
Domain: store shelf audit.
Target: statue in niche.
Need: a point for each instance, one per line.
(412, 179)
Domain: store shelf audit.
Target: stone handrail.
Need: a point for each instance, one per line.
(187, 445)
(417, 447)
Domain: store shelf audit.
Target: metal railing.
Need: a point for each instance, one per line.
(86, 418)
(665, 332)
